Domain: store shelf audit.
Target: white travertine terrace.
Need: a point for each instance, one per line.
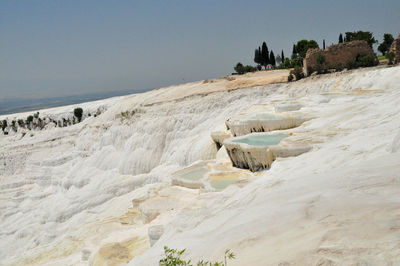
(90, 193)
(246, 123)
(260, 156)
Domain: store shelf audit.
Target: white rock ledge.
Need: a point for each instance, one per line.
(262, 122)
(259, 157)
(219, 136)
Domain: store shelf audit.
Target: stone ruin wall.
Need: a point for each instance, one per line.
(395, 48)
(335, 54)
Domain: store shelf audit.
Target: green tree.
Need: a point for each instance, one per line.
(265, 55)
(78, 112)
(323, 44)
(239, 68)
(272, 58)
(361, 35)
(282, 56)
(387, 42)
(303, 45)
(257, 56)
(294, 51)
(340, 38)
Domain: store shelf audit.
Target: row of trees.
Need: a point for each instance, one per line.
(36, 122)
(263, 57)
(369, 38)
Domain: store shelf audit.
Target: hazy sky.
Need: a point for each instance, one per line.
(56, 48)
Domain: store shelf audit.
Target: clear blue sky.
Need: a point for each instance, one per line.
(56, 48)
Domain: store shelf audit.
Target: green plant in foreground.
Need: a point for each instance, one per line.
(173, 258)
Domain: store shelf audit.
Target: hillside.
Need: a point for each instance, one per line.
(99, 192)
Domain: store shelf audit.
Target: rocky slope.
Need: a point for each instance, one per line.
(99, 192)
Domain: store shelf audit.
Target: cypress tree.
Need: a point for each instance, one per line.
(340, 38)
(294, 51)
(323, 44)
(283, 56)
(264, 55)
(272, 58)
(257, 56)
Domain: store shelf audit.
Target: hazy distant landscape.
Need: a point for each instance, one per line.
(17, 105)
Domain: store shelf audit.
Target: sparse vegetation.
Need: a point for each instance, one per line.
(78, 112)
(29, 119)
(4, 125)
(173, 257)
(360, 35)
(387, 42)
(321, 64)
(241, 69)
(390, 56)
(362, 61)
(297, 73)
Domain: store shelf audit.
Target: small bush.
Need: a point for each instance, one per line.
(29, 119)
(297, 72)
(391, 57)
(366, 61)
(362, 61)
(321, 64)
(173, 257)
(338, 66)
(78, 113)
(36, 115)
(290, 78)
(241, 69)
(4, 125)
(351, 64)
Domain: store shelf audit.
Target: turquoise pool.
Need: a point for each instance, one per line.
(262, 140)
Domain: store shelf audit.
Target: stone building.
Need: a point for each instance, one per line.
(395, 48)
(338, 54)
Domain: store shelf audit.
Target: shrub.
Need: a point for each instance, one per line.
(4, 125)
(362, 61)
(390, 56)
(321, 64)
(21, 122)
(241, 69)
(351, 64)
(297, 72)
(36, 115)
(366, 61)
(290, 78)
(78, 113)
(338, 66)
(173, 258)
(29, 119)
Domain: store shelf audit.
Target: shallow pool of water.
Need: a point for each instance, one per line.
(261, 140)
(222, 183)
(193, 174)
